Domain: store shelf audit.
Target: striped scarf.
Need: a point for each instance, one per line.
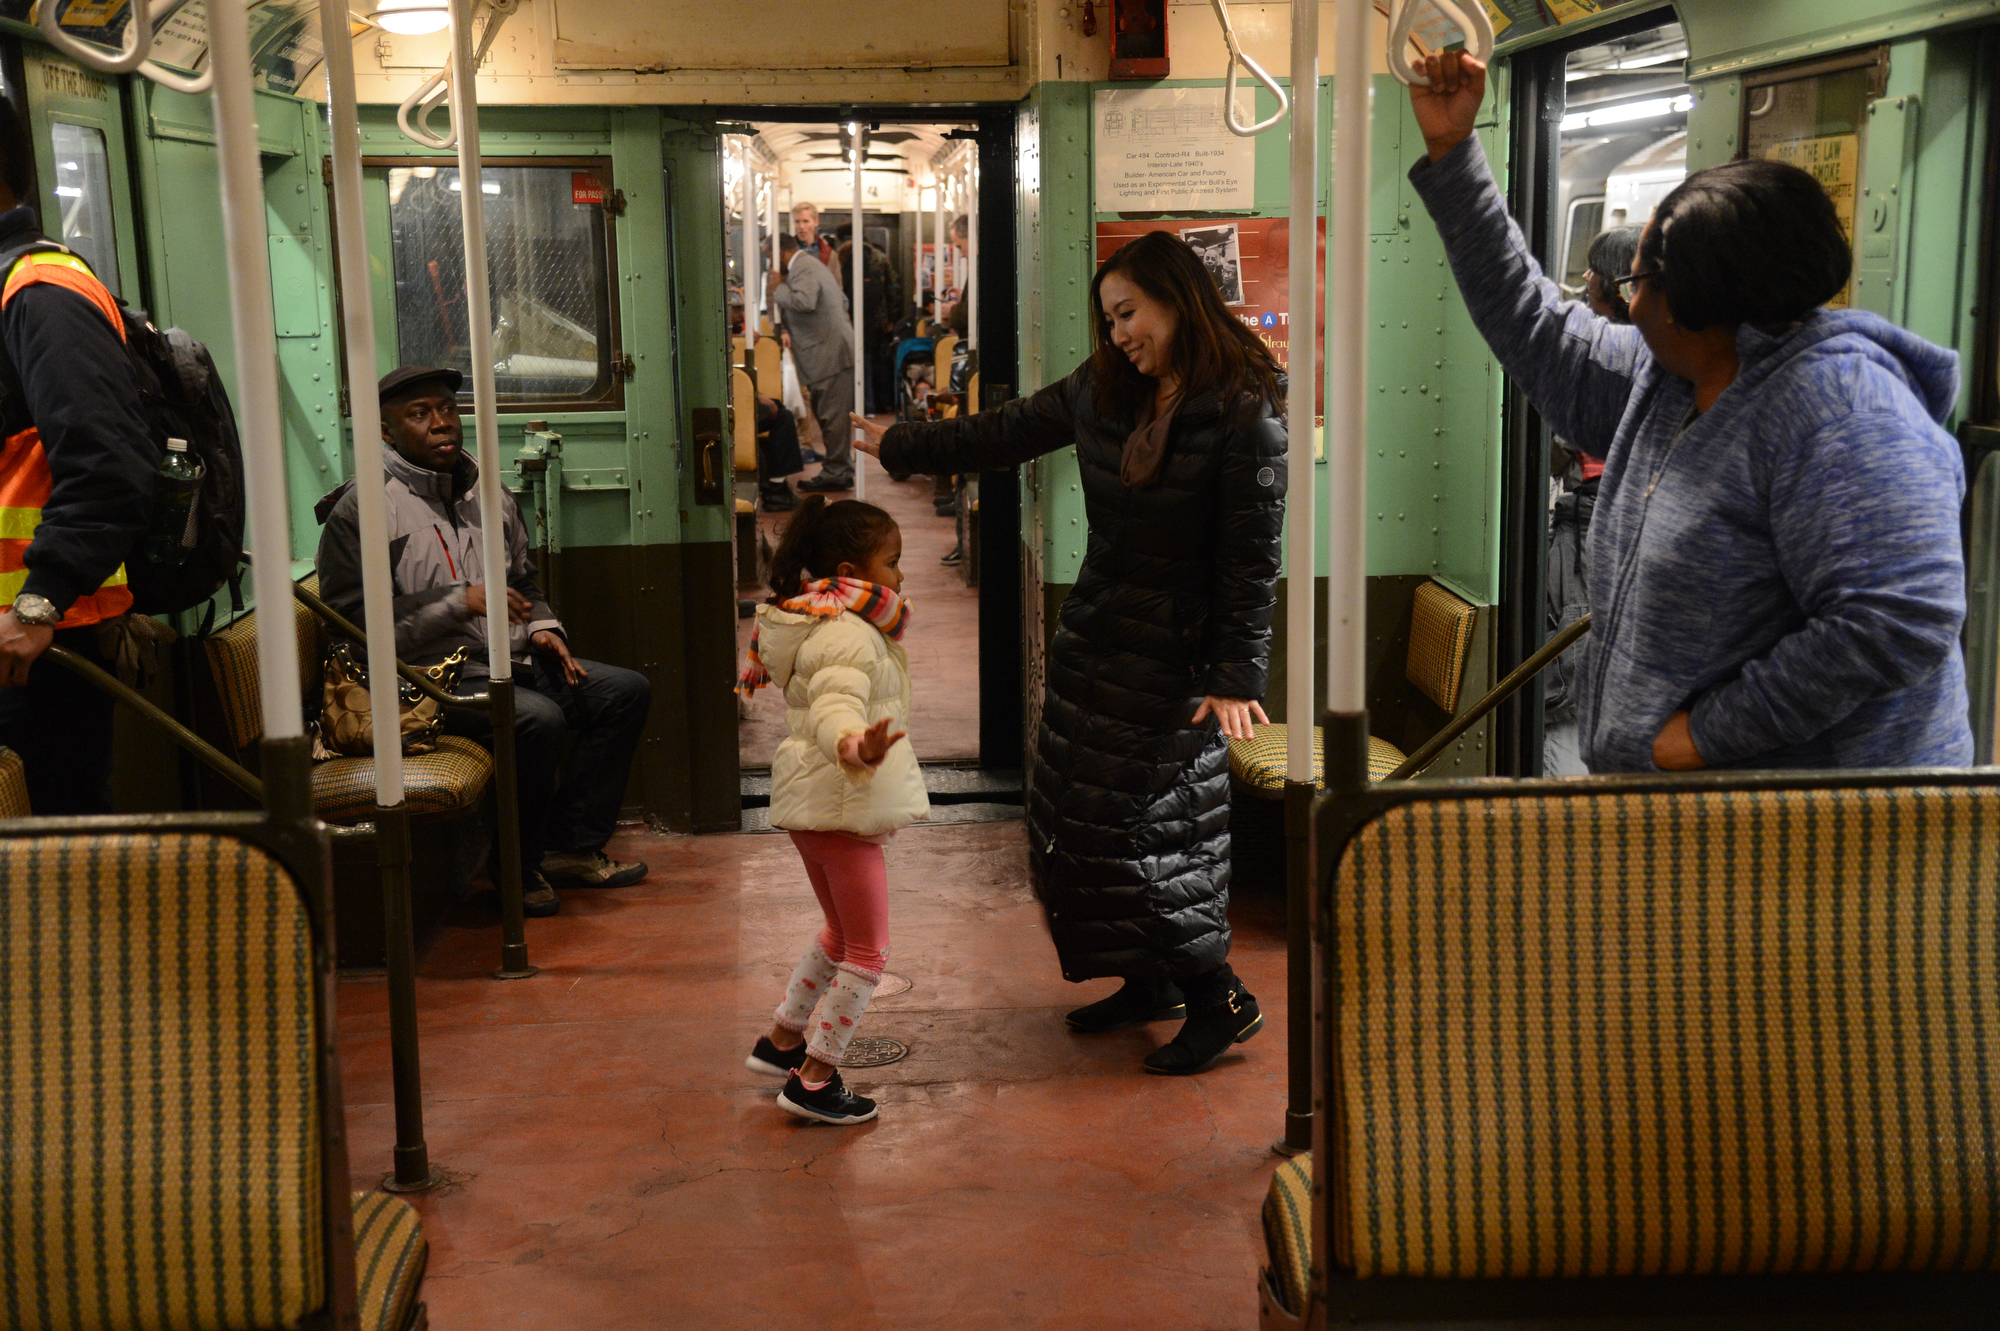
(824, 598)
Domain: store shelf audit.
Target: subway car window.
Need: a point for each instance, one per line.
(1624, 138)
(1814, 120)
(83, 194)
(548, 271)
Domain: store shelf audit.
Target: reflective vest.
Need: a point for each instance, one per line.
(24, 467)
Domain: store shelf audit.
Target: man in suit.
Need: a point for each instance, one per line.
(822, 336)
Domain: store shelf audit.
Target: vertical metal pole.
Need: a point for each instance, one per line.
(752, 277)
(256, 368)
(1347, 349)
(971, 256)
(413, 1170)
(939, 239)
(777, 228)
(860, 356)
(492, 502)
(1302, 402)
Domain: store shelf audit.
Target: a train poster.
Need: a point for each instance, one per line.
(1250, 259)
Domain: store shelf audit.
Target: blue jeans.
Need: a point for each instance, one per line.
(574, 809)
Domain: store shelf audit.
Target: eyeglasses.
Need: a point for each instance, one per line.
(1623, 285)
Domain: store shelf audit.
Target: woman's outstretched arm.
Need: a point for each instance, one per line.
(984, 441)
(1576, 367)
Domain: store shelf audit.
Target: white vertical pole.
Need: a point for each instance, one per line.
(752, 274)
(939, 240)
(860, 359)
(256, 367)
(777, 229)
(1303, 394)
(971, 257)
(357, 311)
(1347, 350)
(479, 314)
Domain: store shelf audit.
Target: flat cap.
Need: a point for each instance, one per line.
(396, 380)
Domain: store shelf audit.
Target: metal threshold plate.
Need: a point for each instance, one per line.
(891, 984)
(873, 1052)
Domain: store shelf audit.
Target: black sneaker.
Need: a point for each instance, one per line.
(831, 1103)
(538, 899)
(821, 485)
(1138, 1002)
(772, 1061)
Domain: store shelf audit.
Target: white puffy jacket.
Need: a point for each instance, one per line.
(840, 675)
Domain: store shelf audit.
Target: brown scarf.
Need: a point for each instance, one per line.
(1146, 447)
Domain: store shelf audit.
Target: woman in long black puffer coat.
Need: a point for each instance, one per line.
(1164, 644)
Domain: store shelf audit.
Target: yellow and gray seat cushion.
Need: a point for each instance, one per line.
(1700, 1032)
(1441, 627)
(162, 1089)
(1260, 761)
(1288, 1232)
(232, 660)
(389, 1256)
(13, 785)
(449, 779)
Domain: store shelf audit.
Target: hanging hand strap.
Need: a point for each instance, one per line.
(1229, 92)
(1470, 16)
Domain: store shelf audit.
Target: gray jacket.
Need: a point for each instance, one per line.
(816, 317)
(434, 537)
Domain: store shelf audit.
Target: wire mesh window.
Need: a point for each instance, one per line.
(547, 273)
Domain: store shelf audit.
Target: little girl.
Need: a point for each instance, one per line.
(842, 782)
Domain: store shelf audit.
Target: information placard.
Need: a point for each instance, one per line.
(1164, 150)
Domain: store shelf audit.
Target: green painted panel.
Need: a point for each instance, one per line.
(1729, 36)
(692, 162)
(655, 440)
(1058, 242)
(1714, 122)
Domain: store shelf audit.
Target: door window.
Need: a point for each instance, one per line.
(83, 198)
(1814, 121)
(547, 270)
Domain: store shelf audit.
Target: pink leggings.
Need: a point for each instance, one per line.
(852, 883)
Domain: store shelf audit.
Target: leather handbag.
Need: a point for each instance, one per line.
(346, 723)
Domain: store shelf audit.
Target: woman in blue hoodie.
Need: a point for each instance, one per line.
(1776, 574)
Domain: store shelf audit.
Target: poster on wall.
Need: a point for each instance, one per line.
(1162, 150)
(1834, 160)
(1250, 259)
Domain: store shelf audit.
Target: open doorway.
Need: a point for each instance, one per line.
(919, 360)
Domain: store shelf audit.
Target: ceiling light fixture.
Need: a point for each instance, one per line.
(412, 18)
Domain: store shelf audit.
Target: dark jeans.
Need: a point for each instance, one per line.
(606, 713)
(778, 452)
(61, 727)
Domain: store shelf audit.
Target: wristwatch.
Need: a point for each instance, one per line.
(39, 611)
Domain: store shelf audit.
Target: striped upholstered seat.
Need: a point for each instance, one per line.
(1288, 1235)
(1693, 1033)
(13, 785)
(163, 1116)
(389, 1257)
(1441, 625)
(450, 779)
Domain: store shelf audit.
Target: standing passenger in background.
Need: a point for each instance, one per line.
(1569, 523)
(823, 349)
(1777, 580)
(78, 467)
(805, 229)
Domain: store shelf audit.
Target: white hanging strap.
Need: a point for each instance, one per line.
(1236, 127)
(1470, 16)
(135, 56)
(434, 92)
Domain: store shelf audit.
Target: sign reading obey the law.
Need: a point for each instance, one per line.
(1168, 150)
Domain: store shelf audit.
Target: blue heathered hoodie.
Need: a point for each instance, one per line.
(1789, 568)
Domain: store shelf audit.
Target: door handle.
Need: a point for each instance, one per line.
(710, 486)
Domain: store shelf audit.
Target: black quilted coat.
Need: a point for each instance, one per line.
(1129, 805)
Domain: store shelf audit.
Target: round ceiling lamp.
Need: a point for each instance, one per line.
(412, 18)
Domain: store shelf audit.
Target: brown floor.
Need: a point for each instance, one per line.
(615, 1166)
(942, 640)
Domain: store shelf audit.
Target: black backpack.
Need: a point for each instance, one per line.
(183, 398)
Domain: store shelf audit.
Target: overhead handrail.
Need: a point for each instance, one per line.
(135, 55)
(234, 773)
(1236, 127)
(432, 94)
(1498, 694)
(1471, 18)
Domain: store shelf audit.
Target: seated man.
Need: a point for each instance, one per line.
(778, 456)
(440, 606)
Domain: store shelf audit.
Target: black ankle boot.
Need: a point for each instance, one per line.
(1221, 1012)
(1139, 1001)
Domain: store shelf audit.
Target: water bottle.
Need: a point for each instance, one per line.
(172, 535)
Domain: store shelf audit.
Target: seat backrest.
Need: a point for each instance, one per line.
(770, 358)
(941, 354)
(1697, 1032)
(743, 414)
(13, 786)
(1441, 625)
(232, 661)
(972, 394)
(161, 1150)
(736, 349)
(764, 328)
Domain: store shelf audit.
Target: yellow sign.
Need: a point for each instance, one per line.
(1502, 20)
(1834, 160)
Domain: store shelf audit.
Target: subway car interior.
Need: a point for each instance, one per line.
(1008, 497)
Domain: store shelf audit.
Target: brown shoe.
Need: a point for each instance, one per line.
(590, 869)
